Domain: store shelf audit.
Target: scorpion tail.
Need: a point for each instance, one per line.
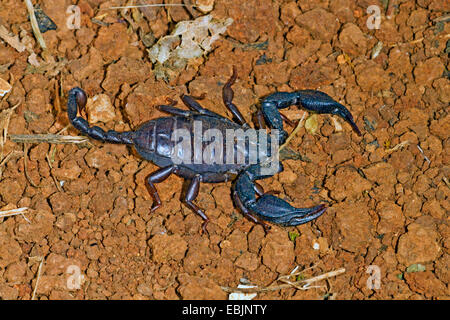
(78, 99)
(268, 207)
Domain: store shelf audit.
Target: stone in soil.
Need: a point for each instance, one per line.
(278, 252)
(166, 248)
(420, 244)
(199, 288)
(100, 109)
(320, 23)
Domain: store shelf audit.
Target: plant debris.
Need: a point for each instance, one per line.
(12, 40)
(44, 22)
(5, 87)
(189, 40)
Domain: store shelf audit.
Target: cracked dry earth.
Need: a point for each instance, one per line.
(388, 191)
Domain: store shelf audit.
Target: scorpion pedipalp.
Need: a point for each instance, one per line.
(267, 206)
(311, 100)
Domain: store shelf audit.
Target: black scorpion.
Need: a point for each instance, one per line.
(153, 141)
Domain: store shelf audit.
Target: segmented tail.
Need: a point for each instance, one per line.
(77, 99)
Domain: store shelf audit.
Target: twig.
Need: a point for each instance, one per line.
(294, 273)
(25, 165)
(12, 40)
(44, 138)
(443, 36)
(37, 278)
(294, 132)
(306, 283)
(5, 117)
(14, 212)
(58, 185)
(47, 138)
(398, 146)
(446, 181)
(11, 83)
(10, 155)
(100, 23)
(63, 129)
(34, 25)
(296, 285)
(286, 280)
(57, 102)
(443, 18)
(152, 5)
(423, 153)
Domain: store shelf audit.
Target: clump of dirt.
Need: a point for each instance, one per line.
(89, 233)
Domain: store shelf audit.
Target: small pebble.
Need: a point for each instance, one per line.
(341, 59)
(5, 87)
(204, 6)
(100, 109)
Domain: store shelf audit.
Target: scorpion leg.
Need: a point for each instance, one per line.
(228, 94)
(190, 102)
(175, 111)
(267, 206)
(311, 100)
(156, 177)
(248, 214)
(261, 124)
(260, 119)
(191, 195)
(287, 120)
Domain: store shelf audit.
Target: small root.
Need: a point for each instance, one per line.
(304, 284)
(14, 212)
(25, 165)
(38, 277)
(398, 146)
(294, 132)
(57, 184)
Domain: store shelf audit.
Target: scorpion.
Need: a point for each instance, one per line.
(152, 140)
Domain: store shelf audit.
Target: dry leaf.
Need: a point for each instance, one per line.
(12, 40)
(311, 124)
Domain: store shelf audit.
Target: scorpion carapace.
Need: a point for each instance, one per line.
(154, 140)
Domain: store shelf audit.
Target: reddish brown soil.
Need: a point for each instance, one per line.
(388, 208)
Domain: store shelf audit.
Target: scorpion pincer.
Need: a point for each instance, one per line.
(153, 141)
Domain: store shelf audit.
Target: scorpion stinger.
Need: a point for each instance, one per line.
(77, 99)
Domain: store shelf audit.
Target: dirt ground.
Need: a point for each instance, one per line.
(89, 233)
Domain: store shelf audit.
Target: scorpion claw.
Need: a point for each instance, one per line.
(276, 210)
(268, 207)
(353, 125)
(311, 100)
